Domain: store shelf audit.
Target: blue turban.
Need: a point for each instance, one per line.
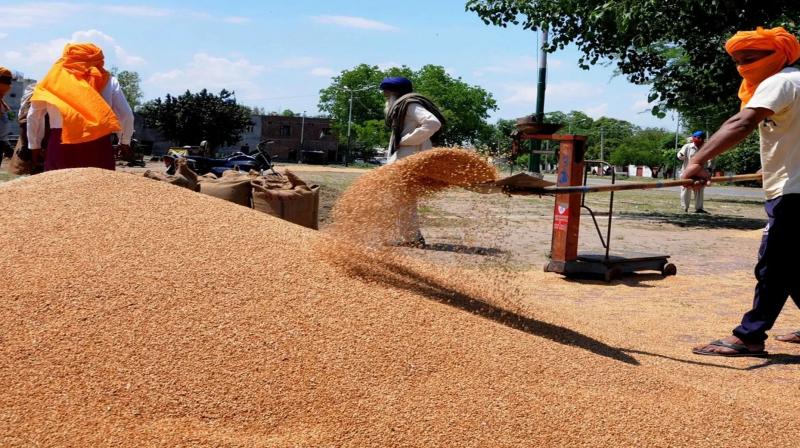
(699, 134)
(397, 84)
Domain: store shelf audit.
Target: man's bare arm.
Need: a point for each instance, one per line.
(733, 131)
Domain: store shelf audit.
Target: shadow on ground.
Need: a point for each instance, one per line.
(462, 249)
(393, 273)
(709, 221)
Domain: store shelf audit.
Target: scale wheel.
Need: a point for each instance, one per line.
(669, 269)
(611, 274)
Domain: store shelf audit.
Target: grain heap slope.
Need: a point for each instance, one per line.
(135, 313)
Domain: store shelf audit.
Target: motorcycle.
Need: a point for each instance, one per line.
(260, 162)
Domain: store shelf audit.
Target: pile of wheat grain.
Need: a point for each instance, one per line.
(376, 208)
(135, 313)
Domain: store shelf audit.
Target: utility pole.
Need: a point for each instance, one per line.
(350, 115)
(602, 141)
(302, 131)
(536, 145)
(349, 122)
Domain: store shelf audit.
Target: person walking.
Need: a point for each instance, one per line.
(770, 102)
(685, 154)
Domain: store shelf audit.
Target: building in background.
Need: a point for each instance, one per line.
(319, 143)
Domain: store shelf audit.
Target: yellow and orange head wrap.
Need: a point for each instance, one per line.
(73, 85)
(785, 47)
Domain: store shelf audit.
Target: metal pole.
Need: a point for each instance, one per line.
(302, 132)
(677, 131)
(533, 161)
(349, 121)
(602, 141)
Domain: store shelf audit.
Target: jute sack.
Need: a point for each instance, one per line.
(298, 204)
(21, 164)
(235, 189)
(184, 176)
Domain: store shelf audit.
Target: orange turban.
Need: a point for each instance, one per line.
(73, 86)
(786, 50)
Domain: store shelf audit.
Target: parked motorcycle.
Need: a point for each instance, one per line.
(260, 162)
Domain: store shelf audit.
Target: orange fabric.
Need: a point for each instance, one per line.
(786, 51)
(73, 85)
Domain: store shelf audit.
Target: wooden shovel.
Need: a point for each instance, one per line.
(525, 184)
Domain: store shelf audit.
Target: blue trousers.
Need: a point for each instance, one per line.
(778, 268)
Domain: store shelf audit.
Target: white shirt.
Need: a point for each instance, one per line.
(113, 95)
(780, 133)
(686, 152)
(418, 127)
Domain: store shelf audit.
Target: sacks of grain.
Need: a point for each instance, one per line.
(290, 199)
(183, 177)
(234, 189)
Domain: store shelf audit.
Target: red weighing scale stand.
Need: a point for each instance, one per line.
(564, 256)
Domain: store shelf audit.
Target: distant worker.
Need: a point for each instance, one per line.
(413, 120)
(685, 154)
(85, 105)
(770, 95)
(5, 112)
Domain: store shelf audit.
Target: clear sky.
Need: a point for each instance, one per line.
(279, 54)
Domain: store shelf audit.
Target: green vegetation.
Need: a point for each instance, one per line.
(192, 117)
(465, 107)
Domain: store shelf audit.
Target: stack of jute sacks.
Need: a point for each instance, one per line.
(284, 196)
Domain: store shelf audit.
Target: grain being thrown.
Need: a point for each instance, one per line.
(110, 337)
(378, 206)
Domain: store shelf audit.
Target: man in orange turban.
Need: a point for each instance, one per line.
(85, 105)
(770, 94)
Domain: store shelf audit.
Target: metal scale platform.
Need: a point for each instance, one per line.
(564, 256)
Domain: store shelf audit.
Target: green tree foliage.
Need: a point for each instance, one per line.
(744, 158)
(192, 117)
(130, 83)
(675, 46)
(370, 135)
(650, 147)
(465, 107)
(496, 139)
(288, 113)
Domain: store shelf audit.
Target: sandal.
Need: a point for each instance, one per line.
(740, 350)
(795, 337)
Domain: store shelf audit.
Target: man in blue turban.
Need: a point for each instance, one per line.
(413, 120)
(685, 154)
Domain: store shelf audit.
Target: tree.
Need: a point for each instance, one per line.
(496, 139)
(675, 46)
(130, 83)
(288, 113)
(743, 158)
(650, 147)
(465, 107)
(193, 117)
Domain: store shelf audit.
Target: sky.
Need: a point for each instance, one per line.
(279, 54)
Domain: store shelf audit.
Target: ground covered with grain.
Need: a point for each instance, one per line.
(233, 328)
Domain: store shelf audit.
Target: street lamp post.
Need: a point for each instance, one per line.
(302, 132)
(350, 115)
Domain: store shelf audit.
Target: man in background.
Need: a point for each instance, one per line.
(685, 154)
(5, 112)
(413, 120)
